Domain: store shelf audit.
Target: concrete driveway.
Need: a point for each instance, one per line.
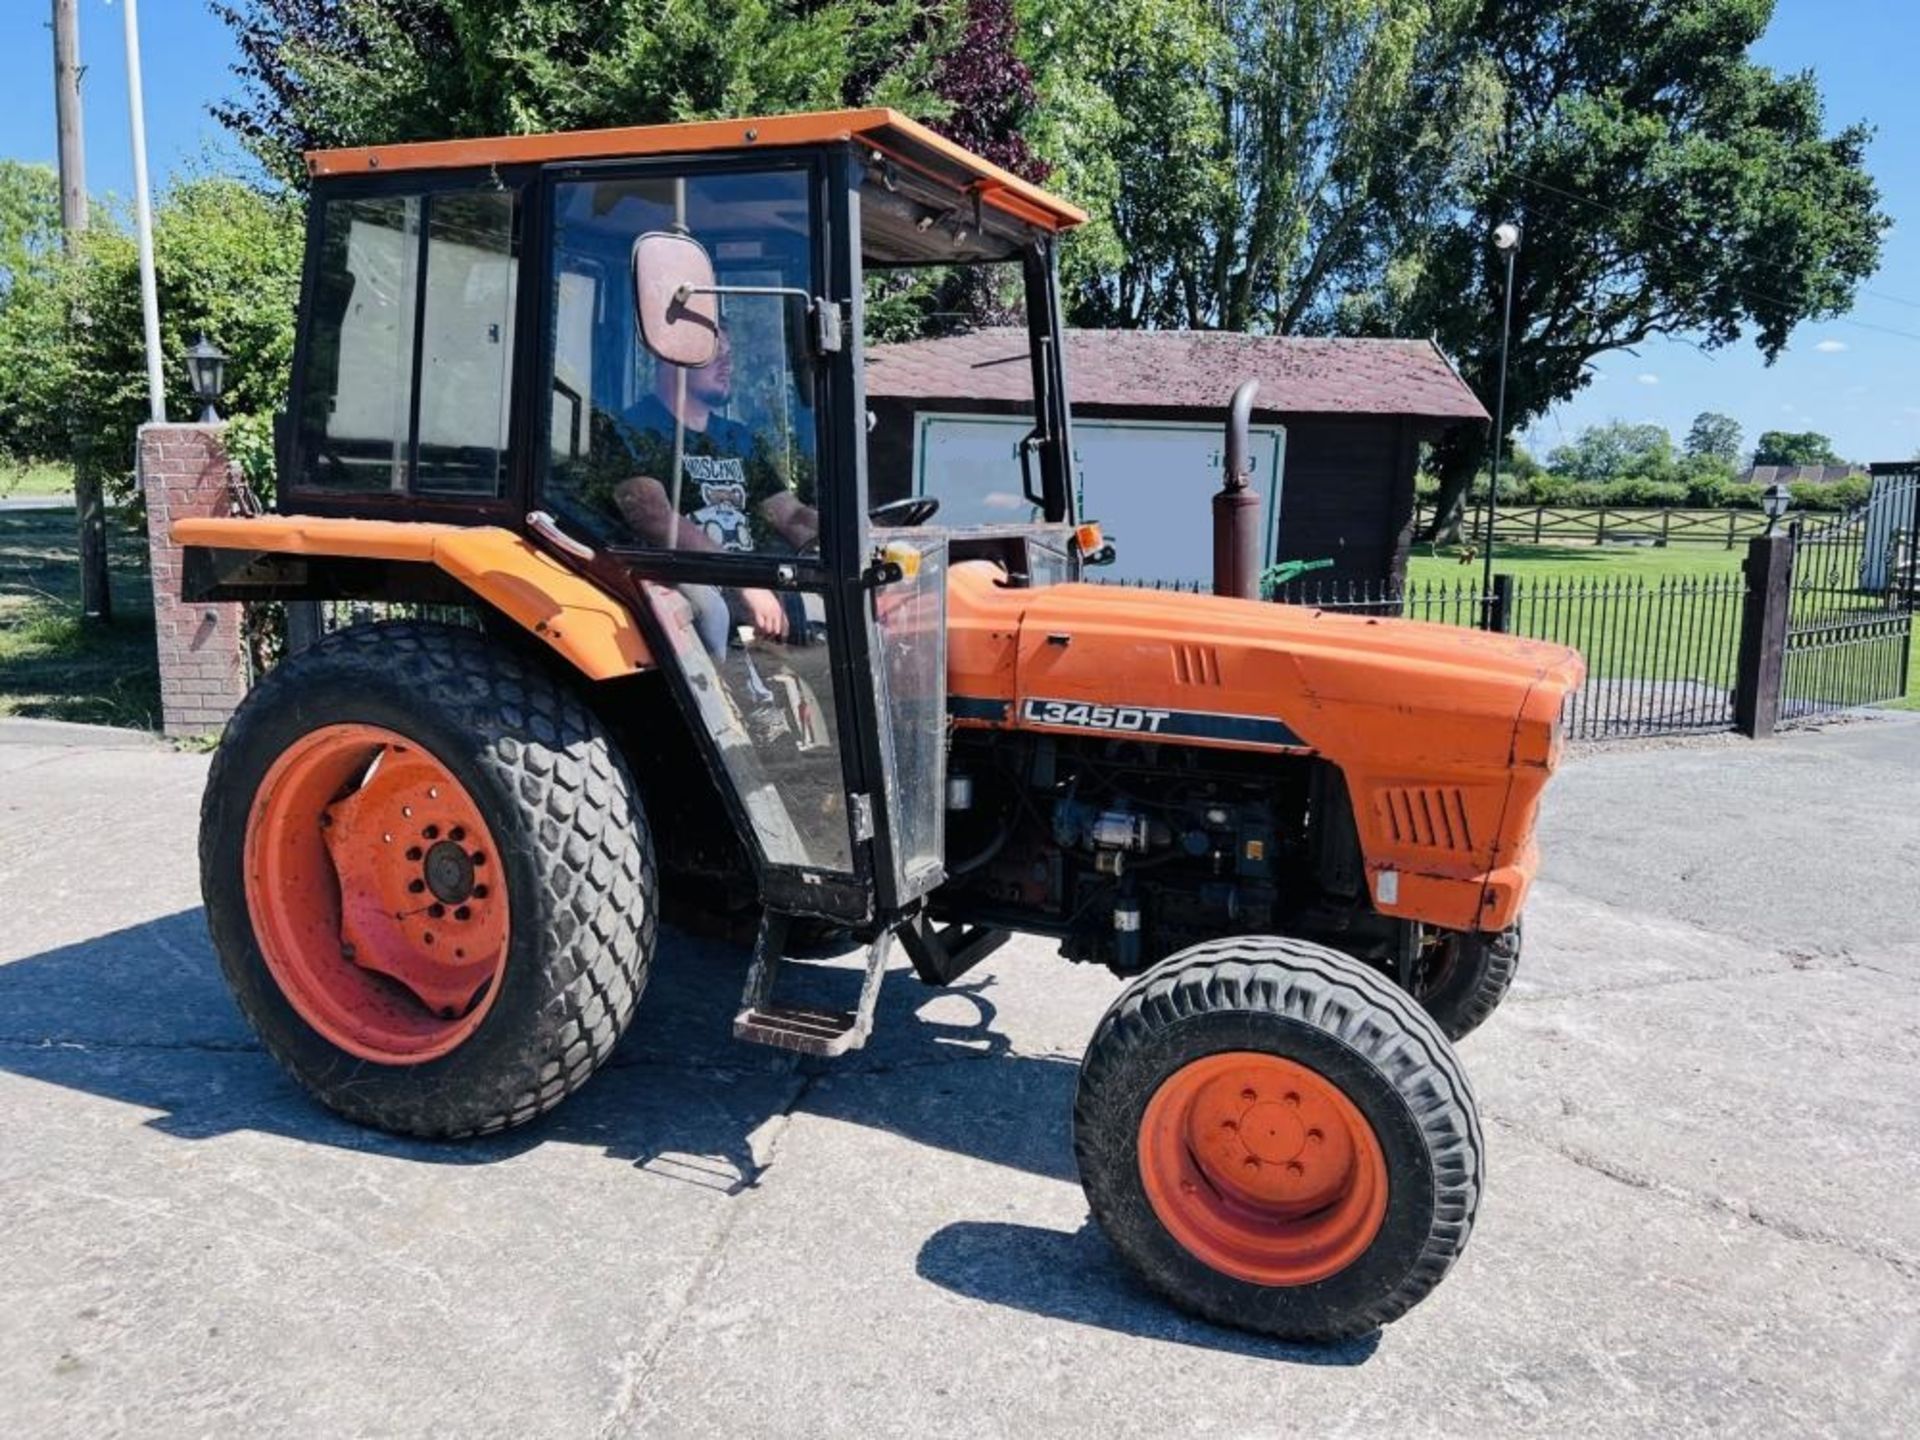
(1702, 1107)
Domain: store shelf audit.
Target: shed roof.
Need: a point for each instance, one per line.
(1185, 369)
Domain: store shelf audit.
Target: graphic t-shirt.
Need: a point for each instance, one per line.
(725, 474)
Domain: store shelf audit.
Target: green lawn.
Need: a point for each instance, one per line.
(18, 482)
(1645, 651)
(54, 667)
(1577, 561)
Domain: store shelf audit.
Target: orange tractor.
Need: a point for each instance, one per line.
(605, 392)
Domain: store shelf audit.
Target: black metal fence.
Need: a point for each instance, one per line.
(1662, 655)
(1849, 620)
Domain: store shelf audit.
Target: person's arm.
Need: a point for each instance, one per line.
(644, 505)
(797, 522)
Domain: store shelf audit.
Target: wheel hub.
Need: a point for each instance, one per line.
(449, 872)
(370, 893)
(1262, 1168)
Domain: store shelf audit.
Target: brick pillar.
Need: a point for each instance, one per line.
(203, 670)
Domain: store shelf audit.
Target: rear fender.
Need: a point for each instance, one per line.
(303, 557)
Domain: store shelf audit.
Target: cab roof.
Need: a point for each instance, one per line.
(905, 142)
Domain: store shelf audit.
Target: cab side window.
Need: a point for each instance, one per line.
(408, 365)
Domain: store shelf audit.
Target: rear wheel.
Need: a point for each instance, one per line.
(1278, 1139)
(428, 879)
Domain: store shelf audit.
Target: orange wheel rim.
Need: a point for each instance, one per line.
(375, 891)
(1262, 1169)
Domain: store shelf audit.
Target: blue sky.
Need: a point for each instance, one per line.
(1849, 378)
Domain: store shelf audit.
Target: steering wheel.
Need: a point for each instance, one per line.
(914, 510)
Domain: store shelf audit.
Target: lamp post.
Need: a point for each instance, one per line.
(207, 370)
(1775, 501)
(1506, 239)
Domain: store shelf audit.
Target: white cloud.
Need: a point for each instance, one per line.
(1831, 347)
(1647, 378)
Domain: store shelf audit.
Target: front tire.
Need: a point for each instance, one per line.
(428, 879)
(1278, 1139)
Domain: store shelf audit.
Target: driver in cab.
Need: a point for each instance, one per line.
(733, 495)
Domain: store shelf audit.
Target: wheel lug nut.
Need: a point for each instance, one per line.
(1293, 1100)
(1314, 1137)
(416, 887)
(432, 832)
(478, 857)
(463, 913)
(1296, 1169)
(1229, 1124)
(1248, 1095)
(479, 892)
(458, 832)
(414, 852)
(1252, 1162)
(436, 910)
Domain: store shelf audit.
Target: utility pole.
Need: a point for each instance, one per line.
(96, 600)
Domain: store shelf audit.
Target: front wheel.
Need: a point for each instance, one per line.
(428, 879)
(1278, 1139)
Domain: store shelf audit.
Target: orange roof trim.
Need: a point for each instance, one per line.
(887, 130)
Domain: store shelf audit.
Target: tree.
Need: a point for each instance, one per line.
(29, 312)
(1715, 435)
(1806, 447)
(321, 73)
(227, 260)
(1665, 184)
(1235, 151)
(1615, 451)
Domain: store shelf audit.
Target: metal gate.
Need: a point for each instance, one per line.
(1851, 600)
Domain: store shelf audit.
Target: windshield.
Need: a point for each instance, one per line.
(719, 458)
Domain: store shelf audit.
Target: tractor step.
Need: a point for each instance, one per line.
(808, 1029)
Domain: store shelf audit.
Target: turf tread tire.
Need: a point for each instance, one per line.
(575, 847)
(1335, 1014)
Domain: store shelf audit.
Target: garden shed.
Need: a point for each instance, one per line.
(1354, 414)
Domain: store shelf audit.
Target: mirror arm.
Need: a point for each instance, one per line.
(828, 337)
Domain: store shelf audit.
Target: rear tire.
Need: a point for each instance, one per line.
(1371, 1084)
(1464, 983)
(566, 847)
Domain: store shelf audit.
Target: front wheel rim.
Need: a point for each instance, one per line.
(1262, 1168)
(374, 888)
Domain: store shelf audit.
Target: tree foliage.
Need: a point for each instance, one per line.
(1715, 435)
(1665, 184)
(1238, 150)
(322, 73)
(72, 359)
(1614, 451)
(1806, 447)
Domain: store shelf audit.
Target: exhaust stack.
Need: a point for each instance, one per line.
(1236, 509)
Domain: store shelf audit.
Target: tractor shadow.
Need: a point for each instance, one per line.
(142, 1017)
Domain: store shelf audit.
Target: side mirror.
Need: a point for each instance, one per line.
(673, 297)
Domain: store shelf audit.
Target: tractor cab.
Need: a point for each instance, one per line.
(642, 351)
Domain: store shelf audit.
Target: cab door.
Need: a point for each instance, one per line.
(729, 488)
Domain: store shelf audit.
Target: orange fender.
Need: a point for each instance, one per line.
(590, 629)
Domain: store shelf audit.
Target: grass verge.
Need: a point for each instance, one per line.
(53, 665)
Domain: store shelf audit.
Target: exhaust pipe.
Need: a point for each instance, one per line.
(1236, 509)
